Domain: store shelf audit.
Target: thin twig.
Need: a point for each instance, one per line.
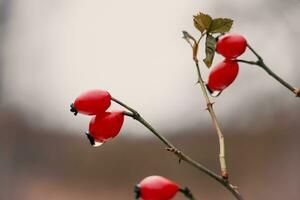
(210, 109)
(261, 64)
(124, 105)
(247, 61)
(170, 147)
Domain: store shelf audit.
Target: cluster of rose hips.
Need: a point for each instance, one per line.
(104, 125)
(224, 73)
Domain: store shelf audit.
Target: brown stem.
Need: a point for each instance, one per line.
(261, 64)
(212, 113)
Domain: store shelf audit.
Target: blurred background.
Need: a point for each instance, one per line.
(52, 50)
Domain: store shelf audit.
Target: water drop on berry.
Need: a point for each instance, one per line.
(97, 144)
(215, 93)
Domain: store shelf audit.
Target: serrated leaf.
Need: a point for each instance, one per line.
(210, 48)
(202, 22)
(220, 25)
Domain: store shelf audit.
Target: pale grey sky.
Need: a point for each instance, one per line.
(54, 50)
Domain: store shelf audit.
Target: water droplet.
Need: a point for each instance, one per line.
(215, 93)
(97, 144)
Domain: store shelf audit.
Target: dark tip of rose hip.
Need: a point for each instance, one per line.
(186, 191)
(73, 109)
(209, 90)
(137, 191)
(90, 138)
(213, 93)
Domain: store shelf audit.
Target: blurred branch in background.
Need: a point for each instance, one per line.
(57, 47)
(56, 165)
(4, 10)
(8, 148)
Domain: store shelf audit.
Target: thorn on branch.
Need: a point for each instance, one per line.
(234, 187)
(199, 81)
(209, 105)
(173, 150)
(176, 152)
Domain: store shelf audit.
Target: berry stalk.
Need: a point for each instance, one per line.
(260, 62)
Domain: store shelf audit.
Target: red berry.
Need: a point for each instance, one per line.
(106, 126)
(222, 75)
(92, 102)
(157, 188)
(231, 45)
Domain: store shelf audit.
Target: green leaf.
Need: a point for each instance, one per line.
(220, 25)
(202, 22)
(210, 48)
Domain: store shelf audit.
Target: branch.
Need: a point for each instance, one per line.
(261, 64)
(170, 147)
(212, 113)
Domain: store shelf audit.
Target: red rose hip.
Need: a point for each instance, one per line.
(222, 75)
(231, 45)
(156, 188)
(105, 126)
(91, 102)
